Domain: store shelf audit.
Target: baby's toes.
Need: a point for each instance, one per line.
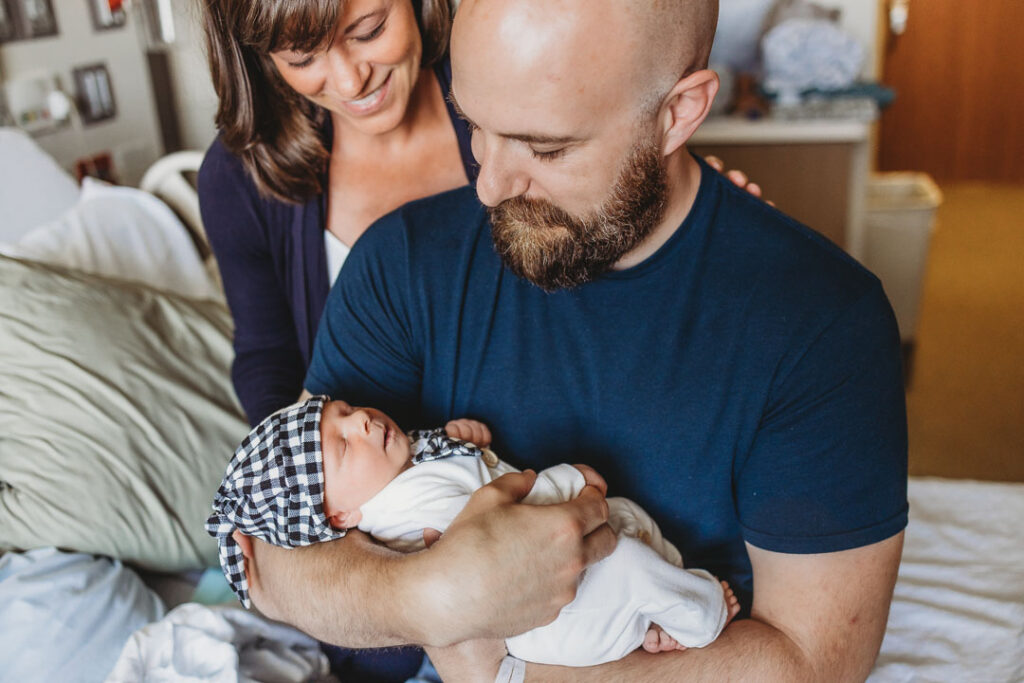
(652, 640)
(668, 642)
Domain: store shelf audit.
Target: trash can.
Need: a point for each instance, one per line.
(899, 219)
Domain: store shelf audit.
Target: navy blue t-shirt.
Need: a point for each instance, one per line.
(743, 383)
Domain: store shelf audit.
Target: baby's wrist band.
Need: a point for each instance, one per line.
(512, 670)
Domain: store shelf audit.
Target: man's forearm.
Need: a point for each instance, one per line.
(347, 592)
(746, 650)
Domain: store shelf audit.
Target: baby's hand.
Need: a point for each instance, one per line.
(469, 430)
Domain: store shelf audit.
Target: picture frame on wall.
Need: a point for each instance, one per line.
(8, 27)
(107, 14)
(35, 17)
(94, 93)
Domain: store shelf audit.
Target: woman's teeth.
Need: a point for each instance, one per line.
(372, 99)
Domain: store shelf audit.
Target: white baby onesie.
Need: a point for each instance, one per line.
(640, 583)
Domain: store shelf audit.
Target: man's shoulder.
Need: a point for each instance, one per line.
(432, 225)
(780, 256)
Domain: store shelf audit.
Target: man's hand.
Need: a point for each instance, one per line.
(473, 431)
(502, 567)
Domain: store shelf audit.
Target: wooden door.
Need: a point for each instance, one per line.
(958, 72)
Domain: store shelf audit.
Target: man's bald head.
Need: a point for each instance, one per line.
(677, 34)
(652, 43)
(582, 109)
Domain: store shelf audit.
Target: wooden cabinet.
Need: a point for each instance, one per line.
(815, 171)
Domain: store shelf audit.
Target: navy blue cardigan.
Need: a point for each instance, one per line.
(273, 262)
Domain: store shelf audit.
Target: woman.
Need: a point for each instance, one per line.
(331, 115)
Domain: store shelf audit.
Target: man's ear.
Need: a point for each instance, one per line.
(345, 519)
(686, 107)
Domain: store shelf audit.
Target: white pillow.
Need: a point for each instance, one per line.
(123, 233)
(33, 188)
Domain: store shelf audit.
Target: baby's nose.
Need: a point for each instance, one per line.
(360, 419)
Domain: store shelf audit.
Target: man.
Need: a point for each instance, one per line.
(729, 369)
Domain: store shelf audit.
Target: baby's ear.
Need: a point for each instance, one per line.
(244, 542)
(345, 519)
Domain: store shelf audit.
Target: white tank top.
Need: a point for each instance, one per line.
(337, 252)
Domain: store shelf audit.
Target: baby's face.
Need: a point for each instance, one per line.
(363, 450)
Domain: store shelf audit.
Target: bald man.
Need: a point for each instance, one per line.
(616, 302)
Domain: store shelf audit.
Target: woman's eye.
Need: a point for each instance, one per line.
(372, 34)
(302, 63)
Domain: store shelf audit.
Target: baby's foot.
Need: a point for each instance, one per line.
(657, 640)
(732, 603)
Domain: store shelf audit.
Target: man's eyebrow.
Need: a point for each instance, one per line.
(531, 138)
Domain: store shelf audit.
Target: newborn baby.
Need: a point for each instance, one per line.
(313, 470)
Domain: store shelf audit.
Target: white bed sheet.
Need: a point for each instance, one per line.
(958, 610)
(123, 233)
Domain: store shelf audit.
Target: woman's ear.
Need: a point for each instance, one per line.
(345, 519)
(686, 107)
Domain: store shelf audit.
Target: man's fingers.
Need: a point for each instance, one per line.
(592, 478)
(599, 544)
(715, 163)
(591, 509)
(508, 488)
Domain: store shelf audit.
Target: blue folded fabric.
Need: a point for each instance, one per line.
(66, 616)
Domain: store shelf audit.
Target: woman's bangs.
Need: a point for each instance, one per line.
(301, 25)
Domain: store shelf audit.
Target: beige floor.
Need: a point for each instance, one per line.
(965, 402)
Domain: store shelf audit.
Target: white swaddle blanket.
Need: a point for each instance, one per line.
(644, 574)
(219, 645)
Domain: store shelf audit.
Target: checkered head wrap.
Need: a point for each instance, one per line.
(273, 489)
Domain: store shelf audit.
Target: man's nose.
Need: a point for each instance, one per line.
(499, 178)
(348, 76)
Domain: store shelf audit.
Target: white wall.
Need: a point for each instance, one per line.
(131, 137)
(860, 18)
(197, 101)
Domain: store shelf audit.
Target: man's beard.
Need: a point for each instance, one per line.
(554, 249)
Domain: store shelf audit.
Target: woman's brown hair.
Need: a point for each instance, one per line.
(271, 128)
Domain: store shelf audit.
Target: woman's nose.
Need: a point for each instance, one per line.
(347, 75)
